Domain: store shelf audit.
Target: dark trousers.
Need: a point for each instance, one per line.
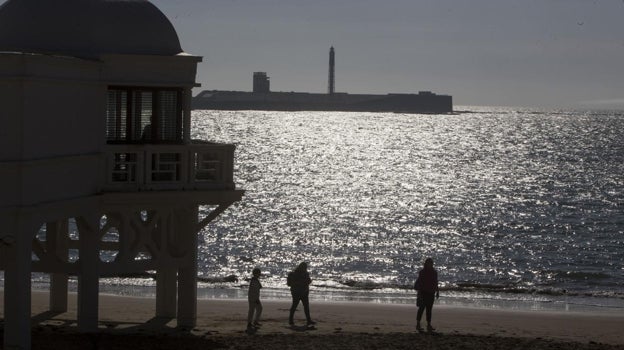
(296, 298)
(425, 302)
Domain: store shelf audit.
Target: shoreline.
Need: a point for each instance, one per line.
(574, 302)
(222, 320)
(479, 300)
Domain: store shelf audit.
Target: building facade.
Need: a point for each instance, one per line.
(261, 82)
(99, 175)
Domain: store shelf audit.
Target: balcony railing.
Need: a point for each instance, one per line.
(198, 166)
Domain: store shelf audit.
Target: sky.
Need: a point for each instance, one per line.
(533, 53)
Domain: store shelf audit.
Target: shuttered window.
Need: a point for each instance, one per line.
(116, 115)
(168, 106)
(144, 115)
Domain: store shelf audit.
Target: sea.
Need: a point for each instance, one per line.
(519, 208)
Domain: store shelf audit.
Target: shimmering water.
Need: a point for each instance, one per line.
(519, 208)
(507, 201)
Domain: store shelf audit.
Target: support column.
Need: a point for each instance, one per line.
(17, 287)
(166, 285)
(166, 273)
(186, 117)
(88, 275)
(186, 223)
(187, 297)
(57, 243)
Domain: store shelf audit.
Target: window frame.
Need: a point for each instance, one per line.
(131, 115)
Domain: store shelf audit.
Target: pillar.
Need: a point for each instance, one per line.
(166, 273)
(88, 274)
(166, 292)
(17, 287)
(186, 117)
(58, 245)
(186, 224)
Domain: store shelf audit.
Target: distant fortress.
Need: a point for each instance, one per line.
(262, 98)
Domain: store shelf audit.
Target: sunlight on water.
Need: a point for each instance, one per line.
(503, 199)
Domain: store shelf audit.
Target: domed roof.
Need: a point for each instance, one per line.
(86, 28)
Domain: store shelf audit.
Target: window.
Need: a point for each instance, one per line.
(144, 115)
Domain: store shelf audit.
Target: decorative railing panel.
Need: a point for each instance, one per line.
(197, 166)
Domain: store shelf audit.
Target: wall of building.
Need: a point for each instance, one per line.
(50, 98)
(53, 134)
(137, 70)
(51, 128)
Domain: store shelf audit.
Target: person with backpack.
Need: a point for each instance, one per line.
(299, 282)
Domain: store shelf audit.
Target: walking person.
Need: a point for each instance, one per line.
(253, 296)
(427, 291)
(299, 282)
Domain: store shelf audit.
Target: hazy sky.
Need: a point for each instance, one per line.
(483, 52)
(565, 53)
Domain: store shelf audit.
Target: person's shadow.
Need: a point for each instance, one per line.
(428, 331)
(303, 328)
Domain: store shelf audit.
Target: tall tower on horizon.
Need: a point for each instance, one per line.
(331, 81)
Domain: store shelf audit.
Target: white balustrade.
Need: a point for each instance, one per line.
(198, 166)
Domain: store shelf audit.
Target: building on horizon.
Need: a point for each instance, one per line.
(262, 98)
(261, 82)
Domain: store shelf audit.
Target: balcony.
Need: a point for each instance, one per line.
(152, 167)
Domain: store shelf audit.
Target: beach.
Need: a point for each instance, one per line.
(128, 323)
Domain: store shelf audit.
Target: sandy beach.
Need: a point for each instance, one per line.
(128, 323)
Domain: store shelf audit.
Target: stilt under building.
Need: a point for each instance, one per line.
(99, 175)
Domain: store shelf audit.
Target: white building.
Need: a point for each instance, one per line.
(95, 134)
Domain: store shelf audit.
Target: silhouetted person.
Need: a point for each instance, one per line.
(253, 296)
(146, 135)
(299, 282)
(427, 287)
